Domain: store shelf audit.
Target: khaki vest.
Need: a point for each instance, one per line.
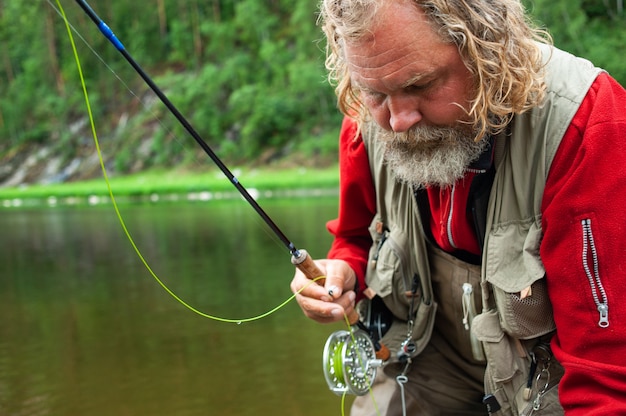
(508, 325)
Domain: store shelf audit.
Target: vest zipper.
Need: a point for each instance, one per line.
(597, 289)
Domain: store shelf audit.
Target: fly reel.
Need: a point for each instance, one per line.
(350, 362)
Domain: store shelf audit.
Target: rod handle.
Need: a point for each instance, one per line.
(306, 265)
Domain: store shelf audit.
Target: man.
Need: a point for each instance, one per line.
(482, 194)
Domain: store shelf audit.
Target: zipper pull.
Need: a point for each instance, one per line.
(383, 236)
(467, 293)
(528, 390)
(415, 285)
(603, 308)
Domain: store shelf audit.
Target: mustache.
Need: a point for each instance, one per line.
(426, 156)
(426, 139)
(426, 134)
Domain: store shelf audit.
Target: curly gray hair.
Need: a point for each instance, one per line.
(495, 38)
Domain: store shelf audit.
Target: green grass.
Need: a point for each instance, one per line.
(155, 184)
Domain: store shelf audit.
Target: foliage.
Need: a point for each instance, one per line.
(593, 29)
(248, 74)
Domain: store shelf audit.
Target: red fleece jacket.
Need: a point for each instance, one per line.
(583, 211)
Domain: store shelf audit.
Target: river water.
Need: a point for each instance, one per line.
(86, 329)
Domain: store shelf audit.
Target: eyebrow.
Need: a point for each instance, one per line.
(415, 79)
(408, 83)
(365, 89)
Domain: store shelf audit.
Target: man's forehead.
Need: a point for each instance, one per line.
(375, 67)
(400, 49)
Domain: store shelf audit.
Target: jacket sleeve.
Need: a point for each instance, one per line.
(584, 253)
(357, 204)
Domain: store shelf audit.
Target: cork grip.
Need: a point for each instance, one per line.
(306, 265)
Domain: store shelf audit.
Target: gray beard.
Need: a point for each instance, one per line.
(431, 156)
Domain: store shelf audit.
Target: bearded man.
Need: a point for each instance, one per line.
(481, 207)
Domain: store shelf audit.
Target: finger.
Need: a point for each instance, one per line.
(320, 311)
(336, 310)
(347, 303)
(303, 286)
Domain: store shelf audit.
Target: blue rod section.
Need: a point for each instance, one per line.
(108, 33)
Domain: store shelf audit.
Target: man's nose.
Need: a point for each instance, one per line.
(403, 113)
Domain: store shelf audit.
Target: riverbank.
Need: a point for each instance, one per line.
(160, 185)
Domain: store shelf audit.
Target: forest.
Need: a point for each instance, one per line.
(248, 75)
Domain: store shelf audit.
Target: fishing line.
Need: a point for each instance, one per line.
(117, 211)
(336, 364)
(108, 33)
(165, 127)
(141, 101)
(299, 258)
(350, 360)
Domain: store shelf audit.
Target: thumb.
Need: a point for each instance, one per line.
(339, 278)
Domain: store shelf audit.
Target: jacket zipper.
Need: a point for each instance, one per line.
(451, 212)
(597, 289)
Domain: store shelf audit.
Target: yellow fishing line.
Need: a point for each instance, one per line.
(132, 242)
(343, 403)
(119, 215)
(371, 392)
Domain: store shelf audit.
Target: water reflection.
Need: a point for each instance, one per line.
(87, 331)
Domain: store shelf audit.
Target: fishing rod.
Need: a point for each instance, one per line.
(350, 357)
(300, 258)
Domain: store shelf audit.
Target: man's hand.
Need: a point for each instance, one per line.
(329, 302)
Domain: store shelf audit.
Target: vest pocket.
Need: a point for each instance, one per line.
(516, 273)
(393, 276)
(504, 367)
(527, 314)
(510, 377)
(389, 271)
(498, 348)
(504, 374)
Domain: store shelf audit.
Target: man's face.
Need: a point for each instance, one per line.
(418, 90)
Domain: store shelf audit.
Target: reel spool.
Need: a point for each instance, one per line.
(350, 362)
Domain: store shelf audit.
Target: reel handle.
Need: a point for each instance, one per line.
(306, 265)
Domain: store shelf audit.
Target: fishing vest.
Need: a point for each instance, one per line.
(516, 321)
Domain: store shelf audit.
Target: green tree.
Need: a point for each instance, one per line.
(594, 29)
(248, 74)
